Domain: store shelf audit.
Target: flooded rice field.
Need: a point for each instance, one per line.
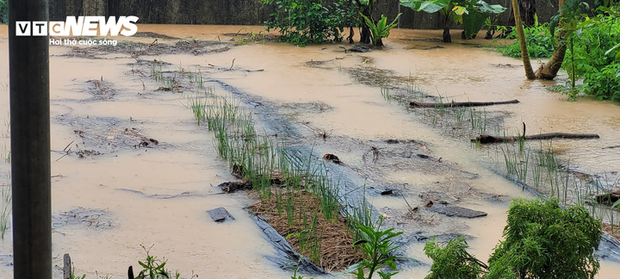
(131, 166)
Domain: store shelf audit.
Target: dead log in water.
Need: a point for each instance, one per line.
(459, 104)
(485, 139)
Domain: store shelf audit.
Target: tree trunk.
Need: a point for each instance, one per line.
(550, 69)
(529, 72)
(447, 18)
(365, 34)
(351, 34)
(366, 10)
(528, 10)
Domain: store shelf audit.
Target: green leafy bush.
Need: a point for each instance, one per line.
(302, 22)
(451, 260)
(545, 241)
(542, 240)
(539, 42)
(591, 59)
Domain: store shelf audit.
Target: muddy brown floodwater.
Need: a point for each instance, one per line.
(130, 165)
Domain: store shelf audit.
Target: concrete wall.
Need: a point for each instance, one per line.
(241, 12)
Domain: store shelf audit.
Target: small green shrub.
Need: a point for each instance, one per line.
(451, 260)
(302, 22)
(377, 247)
(545, 241)
(542, 240)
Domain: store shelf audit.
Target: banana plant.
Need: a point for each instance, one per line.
(470, 13)
(380, 30)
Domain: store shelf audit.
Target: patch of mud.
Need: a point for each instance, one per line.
(95, 136)
(304, 108)
(101, 90)
(508, 65)
(135, 49)
(361, 48)
(92, 218)
(426, 47)
(154, 35)
(415, 39)
(322, 64)
(372, 76)
(162, 197)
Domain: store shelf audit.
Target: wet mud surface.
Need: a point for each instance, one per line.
(132, 167)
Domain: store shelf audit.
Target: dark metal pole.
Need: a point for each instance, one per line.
(30, 143)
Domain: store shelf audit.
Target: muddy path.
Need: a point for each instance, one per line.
(131, 166)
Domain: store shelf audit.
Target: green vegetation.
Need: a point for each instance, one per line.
(154, 268)
(452, 260)
(5, 209)
(4, 11)
(471, 13)
(381, 29)
(539, 42)
(303, 22)
(378, 248)
(566, 237)
(591, 56)
(304, 195)
(592, 49)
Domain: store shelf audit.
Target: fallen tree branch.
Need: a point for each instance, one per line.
(485, 139)
(459, 104)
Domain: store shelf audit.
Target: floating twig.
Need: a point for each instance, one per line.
(232, 64)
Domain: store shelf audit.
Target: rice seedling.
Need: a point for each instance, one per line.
(385, 93)
(157, 72)
(5, 209)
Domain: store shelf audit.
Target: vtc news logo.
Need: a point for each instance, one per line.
(79, 26)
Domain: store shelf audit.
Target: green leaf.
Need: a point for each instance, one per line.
(429, 6)
(350, 269)
(484, 7)
(459, 10)
(472, 23)
(617, 54)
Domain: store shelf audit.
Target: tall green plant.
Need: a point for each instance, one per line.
(381, 29)
(377, 247)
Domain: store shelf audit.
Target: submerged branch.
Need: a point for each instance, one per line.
(485, 139)
(459, 104)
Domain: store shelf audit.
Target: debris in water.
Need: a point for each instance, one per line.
(220, 215)
(457, 211)
(387, 192)
(233, 186)
(333, 158)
